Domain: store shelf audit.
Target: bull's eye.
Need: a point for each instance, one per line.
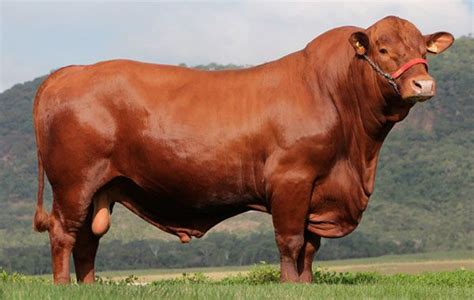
(383, 51)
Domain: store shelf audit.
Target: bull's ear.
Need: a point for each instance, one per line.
(438, 42)
(360, 42)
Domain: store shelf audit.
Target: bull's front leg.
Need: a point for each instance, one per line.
(290, 195)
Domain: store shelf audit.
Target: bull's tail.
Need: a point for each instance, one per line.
(41, 219)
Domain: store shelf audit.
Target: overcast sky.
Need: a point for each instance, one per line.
(38, 36)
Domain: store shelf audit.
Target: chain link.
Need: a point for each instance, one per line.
(387, 76)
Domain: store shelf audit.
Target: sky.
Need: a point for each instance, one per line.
(37, 36)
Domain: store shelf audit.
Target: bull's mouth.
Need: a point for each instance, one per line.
(420, 91)
(418, 98)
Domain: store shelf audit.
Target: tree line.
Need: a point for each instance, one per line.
(218, 249)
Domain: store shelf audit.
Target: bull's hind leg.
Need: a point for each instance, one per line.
(69, 212)
(305, 259)
(62, 242)
(84, 252)
(95, 226)
(71, 231)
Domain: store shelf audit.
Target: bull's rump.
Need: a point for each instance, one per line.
(197, 138)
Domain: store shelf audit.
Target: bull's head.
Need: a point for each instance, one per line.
(397, 50)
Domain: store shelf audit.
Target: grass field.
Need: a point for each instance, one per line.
(261, 282)
(210, 291)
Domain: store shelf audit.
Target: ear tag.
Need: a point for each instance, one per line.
(432, 48)
(360, 50)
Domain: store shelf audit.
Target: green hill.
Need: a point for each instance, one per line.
(422, 202)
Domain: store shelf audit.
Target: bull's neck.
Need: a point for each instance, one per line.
(363, 99)
(366, 116)
(376, 110)
(371, 122)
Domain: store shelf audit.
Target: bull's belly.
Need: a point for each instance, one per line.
(187, 196)
(194, 175)
(181, 214)
(204, 192)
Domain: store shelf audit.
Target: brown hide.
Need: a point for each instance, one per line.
(184, 149)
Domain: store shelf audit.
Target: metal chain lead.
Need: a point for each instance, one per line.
(387, 76)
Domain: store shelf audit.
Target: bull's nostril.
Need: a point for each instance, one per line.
(417, 84)
(422, 89)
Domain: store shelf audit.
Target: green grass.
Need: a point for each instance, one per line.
(212, 291)
(259, 283)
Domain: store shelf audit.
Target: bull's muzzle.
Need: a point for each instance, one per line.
(421, 89)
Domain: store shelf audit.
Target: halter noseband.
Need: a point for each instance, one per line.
(391, 77)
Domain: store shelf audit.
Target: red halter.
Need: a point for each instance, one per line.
(391, 77)
(408, 65)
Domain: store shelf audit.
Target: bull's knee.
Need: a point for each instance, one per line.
(101, 215)
(290, 246)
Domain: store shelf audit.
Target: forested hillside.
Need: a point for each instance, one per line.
(422, 202)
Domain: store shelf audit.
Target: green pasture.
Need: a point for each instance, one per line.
(261, 282)
(441, 285)
(266, 291)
